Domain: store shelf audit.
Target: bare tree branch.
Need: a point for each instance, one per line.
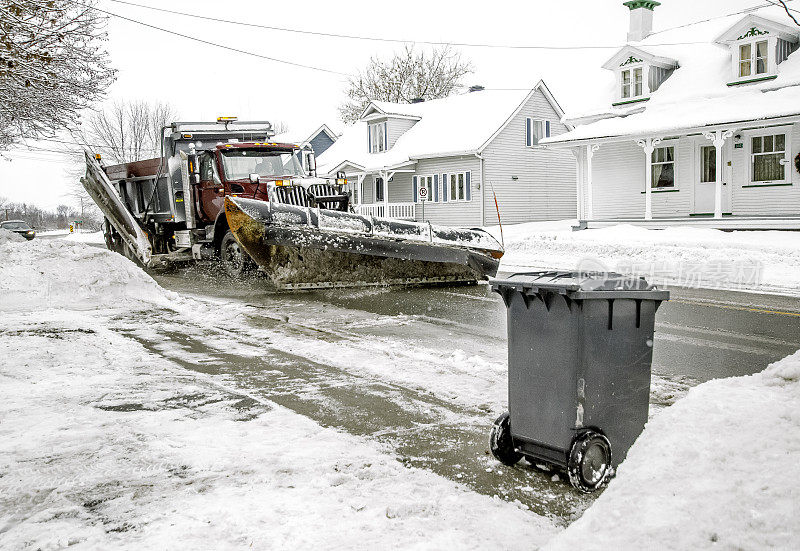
(408, 75)
(52, 66)
(127, 130)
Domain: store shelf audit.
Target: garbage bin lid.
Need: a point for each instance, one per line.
(580, 285)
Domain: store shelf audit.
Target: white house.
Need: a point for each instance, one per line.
(698, 124)
(463, 151)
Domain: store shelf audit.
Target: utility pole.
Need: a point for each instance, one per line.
(6, 209)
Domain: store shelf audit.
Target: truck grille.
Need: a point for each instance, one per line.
(297, 195)
(292, 195)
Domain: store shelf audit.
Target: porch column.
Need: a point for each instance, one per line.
(648, 144)
(360, 184)
(590, 149)
(718, 138)
(386, 194)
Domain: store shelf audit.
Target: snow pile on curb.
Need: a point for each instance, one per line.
(7, 236)
(37, 275)
(678, 255)
(719, 469)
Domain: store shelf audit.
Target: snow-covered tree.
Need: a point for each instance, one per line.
(407, 76)
(52, 65)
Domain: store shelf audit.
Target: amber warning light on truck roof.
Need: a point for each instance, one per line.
(227, 119)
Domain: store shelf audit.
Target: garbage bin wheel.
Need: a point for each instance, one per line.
(589, 465)
(501, 443)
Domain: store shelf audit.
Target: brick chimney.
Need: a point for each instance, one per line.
(641, 18)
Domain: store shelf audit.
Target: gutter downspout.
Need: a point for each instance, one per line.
(483, 187)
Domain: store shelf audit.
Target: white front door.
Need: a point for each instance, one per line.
(705, 180)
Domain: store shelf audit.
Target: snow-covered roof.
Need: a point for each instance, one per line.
(461, 124)
(696, 94)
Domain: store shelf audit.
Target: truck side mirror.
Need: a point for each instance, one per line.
(254, 178)
(194, 169)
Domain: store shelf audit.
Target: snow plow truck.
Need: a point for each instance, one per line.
(223, 190)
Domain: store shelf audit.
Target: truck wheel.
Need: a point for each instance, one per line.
(589, 465)
(235, 261)
(500, 442)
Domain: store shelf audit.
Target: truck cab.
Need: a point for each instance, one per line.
(179, 198)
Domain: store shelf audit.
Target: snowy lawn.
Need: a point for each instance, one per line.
(95, 237)
(755, 260)
(108, 445)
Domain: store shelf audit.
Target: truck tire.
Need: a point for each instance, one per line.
(235, 261)
(589, 465)
(500, 442)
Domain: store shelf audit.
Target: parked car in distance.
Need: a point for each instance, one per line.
(18, 226)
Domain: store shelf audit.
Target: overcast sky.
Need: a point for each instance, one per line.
(203, 81)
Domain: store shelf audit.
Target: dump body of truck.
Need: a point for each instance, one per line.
(232, 194)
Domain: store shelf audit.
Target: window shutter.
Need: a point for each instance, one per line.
(414, 180)
(369, 138)
(528, 132)
(467, 185)
(435, 183)
(435, 189)
(444, 188)
(546, 129)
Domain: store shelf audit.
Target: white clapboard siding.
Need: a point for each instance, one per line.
(398, 127)
(451, 213)
(530, 183)
(765, 201)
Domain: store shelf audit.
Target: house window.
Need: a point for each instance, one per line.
(632, 83)
(753, 59)
(663, 169)
(535, 130)
(708, 164)
(377, 137)
(457, 185)
(379, 197)
(768, 158)
(427, 183)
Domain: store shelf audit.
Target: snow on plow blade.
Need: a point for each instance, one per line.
(299, 247)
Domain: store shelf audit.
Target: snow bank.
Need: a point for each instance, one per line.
(719, 469)
(112, 446)
(759, 260)
(44, 274)
(7, 236)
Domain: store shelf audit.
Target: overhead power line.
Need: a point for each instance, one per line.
(430, 42)
(223, 46)
(351, 37)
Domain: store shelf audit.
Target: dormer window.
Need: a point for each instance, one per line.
(753, 59)
(639, 73)
(757, 47)
(632, 86)
(378, 137)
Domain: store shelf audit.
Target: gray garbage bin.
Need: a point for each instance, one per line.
(580, 348)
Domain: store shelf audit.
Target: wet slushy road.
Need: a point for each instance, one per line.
(422, 370)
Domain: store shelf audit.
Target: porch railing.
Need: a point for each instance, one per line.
(399, 211)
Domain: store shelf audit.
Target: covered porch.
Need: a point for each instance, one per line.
(376, 192)
(734, 176)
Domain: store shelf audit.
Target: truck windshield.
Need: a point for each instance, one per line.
(241, 163)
